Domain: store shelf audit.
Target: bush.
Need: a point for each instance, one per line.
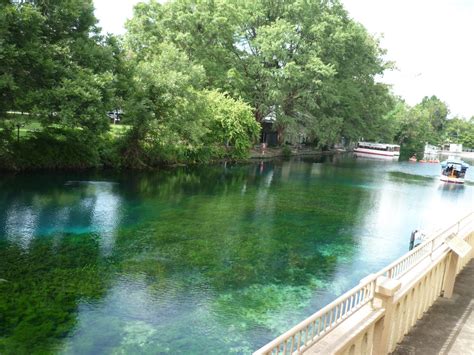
(230, 123)
(54, 149)
(286, 151)
(6, 145)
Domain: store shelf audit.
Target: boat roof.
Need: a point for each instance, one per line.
(455, 161)
(373, 144)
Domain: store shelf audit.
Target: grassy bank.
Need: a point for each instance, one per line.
(33, 147)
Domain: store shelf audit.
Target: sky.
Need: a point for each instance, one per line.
(430, 41)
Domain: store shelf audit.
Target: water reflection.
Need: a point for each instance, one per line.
(210, 260)
(78, 207)
(20, 224)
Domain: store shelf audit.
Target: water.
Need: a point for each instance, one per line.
(216, 259)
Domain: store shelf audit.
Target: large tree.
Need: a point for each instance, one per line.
(308, 61)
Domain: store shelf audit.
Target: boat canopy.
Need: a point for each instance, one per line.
(458, 165)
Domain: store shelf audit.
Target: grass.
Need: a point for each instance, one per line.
(119, 129)
(27, 129)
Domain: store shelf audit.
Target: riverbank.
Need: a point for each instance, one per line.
(278, 152)
(69, 152)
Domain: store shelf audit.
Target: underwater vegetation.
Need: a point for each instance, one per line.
(209, 260)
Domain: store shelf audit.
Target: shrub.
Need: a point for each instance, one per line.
(286, 151)
(55, 149)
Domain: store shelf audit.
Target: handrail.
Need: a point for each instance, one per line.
(321, 323)
(408, 261)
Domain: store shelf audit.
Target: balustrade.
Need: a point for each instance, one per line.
(376, 314)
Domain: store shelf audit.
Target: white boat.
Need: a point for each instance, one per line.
(431, 149)
(453, 171)
(378, 149)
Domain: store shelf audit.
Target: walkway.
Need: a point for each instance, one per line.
(448, 326)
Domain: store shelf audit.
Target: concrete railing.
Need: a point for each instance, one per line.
(375, 315)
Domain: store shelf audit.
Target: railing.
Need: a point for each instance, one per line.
(407, 262)
(400, 306)
(312, 329)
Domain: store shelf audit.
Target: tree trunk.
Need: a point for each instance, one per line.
(280, 132)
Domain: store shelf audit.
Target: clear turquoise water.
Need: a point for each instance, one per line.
(216, 259)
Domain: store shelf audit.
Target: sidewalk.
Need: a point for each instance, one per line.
(448, 326)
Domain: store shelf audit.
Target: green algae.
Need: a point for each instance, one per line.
(46, 283)
(400, 176)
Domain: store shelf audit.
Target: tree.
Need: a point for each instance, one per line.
(458, 130)
(306, 60)
(414, 130)
(54, 64)
(23, 57)
(230, 123)
(174, 120)
(415, 126)
(437, 112)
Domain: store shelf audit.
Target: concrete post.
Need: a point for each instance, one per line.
(384, 295)
(450, 275)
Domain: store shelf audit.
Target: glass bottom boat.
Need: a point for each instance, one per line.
(453, 171)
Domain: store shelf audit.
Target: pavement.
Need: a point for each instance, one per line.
(448, 326)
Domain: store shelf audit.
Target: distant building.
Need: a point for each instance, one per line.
(115, 115)
(452, 147)
(431, 149)
(268, 133)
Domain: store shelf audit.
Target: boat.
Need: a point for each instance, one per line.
(378, 149)
(453, 171)
(431, 149)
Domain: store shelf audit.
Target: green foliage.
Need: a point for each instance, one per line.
(286, 151)
(458, 130)
(307, 60)
(210, 126)
(412, 127)
(82, 102)
(55, 66)
(437, 112)
(229, 122)
(164, 109)
(174, 120)
(189, 76)
(53, 149)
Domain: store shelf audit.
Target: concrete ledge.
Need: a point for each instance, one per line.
(350, 329)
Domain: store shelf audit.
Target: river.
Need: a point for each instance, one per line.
(211, 259)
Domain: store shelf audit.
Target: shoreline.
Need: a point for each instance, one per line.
(279, 153)
(254, 154)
